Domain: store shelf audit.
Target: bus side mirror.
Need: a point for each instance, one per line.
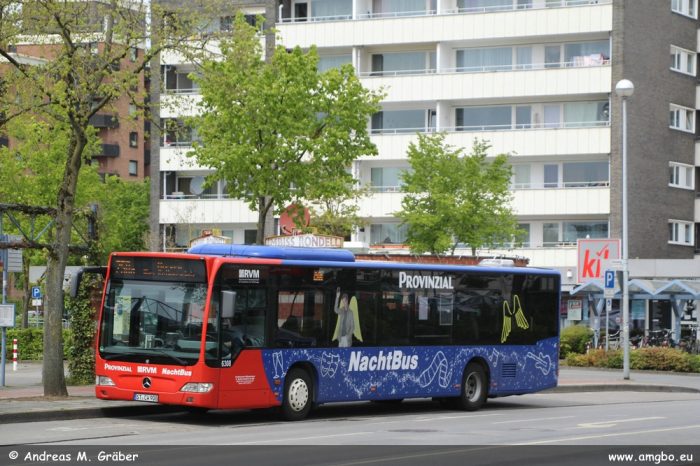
(228, 304)
(77, 277)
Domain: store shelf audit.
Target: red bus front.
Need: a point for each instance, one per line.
(159, 341)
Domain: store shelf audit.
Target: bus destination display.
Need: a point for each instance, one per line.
(159, 269)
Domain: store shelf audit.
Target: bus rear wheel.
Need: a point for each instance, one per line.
(474, 388)
(298, 395)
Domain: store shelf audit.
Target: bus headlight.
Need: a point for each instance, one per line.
(197, 387)
(102, 380)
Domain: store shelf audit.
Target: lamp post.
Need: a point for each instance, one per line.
(625, 89)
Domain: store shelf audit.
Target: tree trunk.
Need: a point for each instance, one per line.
(53, 373)
(260, 236)
(26, 261)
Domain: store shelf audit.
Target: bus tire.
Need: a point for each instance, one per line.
(298, 395)
(474, 388)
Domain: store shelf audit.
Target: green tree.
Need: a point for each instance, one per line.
(124, 214)
(337, 215)
(453, 198)
(273, 130)
(69, 81)
(31, 175)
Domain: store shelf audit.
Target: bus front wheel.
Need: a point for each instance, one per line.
(298, 393)
(474, 388)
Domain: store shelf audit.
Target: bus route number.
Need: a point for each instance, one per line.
(225, 363)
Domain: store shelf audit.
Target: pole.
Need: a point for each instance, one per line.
(14, 354)
(625, 252)
(3, 254)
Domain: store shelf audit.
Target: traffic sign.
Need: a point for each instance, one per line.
(36, 292)
(608, 304)
(609, 284)
(36, 302)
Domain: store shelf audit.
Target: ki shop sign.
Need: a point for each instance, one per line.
(595, 256)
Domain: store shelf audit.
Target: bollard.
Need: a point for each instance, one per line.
(588, 346)
(14, 354)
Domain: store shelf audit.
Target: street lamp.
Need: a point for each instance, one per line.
(625, 89)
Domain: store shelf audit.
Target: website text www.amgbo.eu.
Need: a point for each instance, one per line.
(656, 458)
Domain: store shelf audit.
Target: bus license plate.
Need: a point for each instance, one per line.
(144, 397)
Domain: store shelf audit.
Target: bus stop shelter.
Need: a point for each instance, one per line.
(677, 292)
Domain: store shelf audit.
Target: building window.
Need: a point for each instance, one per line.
(400, 121)
(585, 174)
(133, 139)
(388, 179)
(682, 118)
(582, 230)
(685, 7)
(681, 175)
(250, 236)
(404, 63)
(521, 176)
(133, 167)
(525, 238)
(329, 62)
(132, 112)
(680, 232)
(388, 233)
(133, 54)
(682, 60)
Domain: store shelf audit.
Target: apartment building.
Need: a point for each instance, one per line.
(125, 149)
(536, 79)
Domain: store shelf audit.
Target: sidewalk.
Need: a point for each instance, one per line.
(22, 400)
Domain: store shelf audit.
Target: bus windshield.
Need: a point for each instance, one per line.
(158, 321)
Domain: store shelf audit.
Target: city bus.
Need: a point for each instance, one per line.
(246, 327)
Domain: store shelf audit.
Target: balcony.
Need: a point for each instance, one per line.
(108, 150)
(104, 121)
(569, 81)
(544, 18)
(174, 158)
(563, 201)
(206, 211)
(530, 142)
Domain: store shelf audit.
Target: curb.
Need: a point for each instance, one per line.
(67, 414)
(619, 387)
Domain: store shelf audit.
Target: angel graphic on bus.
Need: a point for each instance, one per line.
(348, 320)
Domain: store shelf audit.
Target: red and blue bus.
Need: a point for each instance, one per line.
(243, 327)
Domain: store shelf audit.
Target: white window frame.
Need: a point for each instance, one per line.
(680, 173)
(680, 118)
(687, 8)
(682, 233)
(682, 59)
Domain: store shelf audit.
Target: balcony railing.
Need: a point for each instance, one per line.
(182, 196)
(108, 150)
(422, 129)
(515, 6)
(529, 126)
(104, 121)
(190, 91)
(583, 62)
(559, 185)
(396, 14)
(373, 74)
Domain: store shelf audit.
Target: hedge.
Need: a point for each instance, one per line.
(572, 340)
(30, 343)
(660, 359)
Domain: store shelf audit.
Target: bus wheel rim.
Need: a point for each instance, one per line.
(298, 395)
(473, 387)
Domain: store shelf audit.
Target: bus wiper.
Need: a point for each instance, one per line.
(182, 362)
(119, 355)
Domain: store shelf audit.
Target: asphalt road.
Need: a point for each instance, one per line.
(592, 418)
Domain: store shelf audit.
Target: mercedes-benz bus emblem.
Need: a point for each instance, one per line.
(147, 382)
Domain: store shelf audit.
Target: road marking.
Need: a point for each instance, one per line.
(595, 425)
(298, 438)
(454, 417)
(419, 455)
(533, 420)
(588, 437)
